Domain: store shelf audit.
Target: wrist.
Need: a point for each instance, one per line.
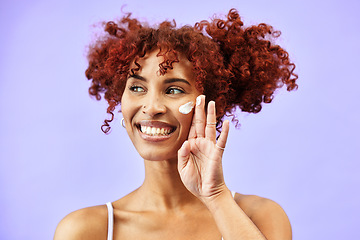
(220, 198)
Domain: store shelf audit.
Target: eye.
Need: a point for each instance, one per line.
(174, 90)
(135, 88)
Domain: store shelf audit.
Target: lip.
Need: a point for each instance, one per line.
(156, 124)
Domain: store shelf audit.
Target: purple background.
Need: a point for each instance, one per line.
(301, 151)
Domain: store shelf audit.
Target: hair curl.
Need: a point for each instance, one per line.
(235, 66)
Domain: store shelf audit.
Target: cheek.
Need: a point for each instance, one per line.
(186, 108)
(185, 120)
(185, 113)
(128, 113)
(127, 108)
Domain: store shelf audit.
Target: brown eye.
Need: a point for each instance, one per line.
(174, 91)
(136, 89)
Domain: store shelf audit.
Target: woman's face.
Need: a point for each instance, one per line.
(150, 107)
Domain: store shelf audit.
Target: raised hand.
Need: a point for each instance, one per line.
(200, 157)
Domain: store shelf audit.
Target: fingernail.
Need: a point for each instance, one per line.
(198, 100)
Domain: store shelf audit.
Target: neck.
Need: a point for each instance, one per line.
(163, 188)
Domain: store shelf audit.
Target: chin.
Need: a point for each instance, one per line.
(153, 154)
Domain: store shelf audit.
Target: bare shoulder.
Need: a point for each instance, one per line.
(87, 223)
(256, 206)
(267, 215)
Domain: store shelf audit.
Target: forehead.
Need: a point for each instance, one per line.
(150, 66)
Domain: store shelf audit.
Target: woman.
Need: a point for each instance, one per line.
(174, 87)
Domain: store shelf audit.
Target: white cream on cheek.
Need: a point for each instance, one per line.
(186, 108)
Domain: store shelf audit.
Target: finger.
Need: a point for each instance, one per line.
(183, 155)
(199, 116)
(221, 143)
(192, 131)
(210, 129)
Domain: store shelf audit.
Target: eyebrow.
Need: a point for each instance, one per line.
(169, 80)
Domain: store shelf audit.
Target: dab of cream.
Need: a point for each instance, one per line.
(186, 108)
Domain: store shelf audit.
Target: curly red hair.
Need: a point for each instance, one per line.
(233, 65)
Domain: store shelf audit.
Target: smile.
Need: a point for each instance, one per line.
(153, 131)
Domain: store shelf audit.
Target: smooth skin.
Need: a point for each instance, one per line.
(184, 195)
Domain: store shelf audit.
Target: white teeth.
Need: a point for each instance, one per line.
(143, 128)
(154, 131)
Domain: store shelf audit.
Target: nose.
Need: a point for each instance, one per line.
(153, 105)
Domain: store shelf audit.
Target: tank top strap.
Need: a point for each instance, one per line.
(110, 220)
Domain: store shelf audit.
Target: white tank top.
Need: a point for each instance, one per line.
(111, 219)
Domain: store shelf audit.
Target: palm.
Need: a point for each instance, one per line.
(200, 160)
